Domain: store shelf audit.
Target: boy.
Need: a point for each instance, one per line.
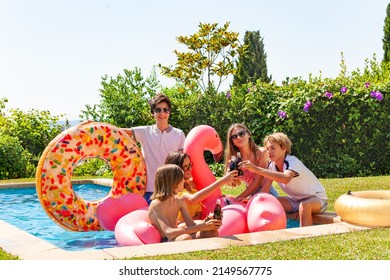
(305, 193)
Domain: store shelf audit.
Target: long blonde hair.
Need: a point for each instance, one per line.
(231, 149)
(168, 176)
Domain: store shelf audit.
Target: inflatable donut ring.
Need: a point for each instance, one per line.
(364, 208)
(66, 151)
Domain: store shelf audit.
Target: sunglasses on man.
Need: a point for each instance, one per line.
(159, 110)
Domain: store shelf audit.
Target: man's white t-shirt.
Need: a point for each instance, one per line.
(156, 146)
(304, 184)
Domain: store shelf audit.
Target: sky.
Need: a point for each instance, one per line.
(53, 54)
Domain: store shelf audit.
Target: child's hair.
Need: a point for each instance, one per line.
(176, 158)
(168, 176)
(281, 139)
(231, 149)
(157, 100)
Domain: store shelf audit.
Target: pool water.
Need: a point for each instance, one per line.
(21, 208)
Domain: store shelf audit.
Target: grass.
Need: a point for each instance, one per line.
(371, 244)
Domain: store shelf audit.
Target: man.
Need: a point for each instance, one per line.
(157, 140)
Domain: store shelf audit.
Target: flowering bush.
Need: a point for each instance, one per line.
(339, 127)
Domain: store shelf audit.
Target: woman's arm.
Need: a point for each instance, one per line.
(205, 192)
(258, 180)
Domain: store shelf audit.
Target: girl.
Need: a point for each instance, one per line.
(239, 140)
(166, 206)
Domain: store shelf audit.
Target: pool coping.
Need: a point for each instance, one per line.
(29, 247)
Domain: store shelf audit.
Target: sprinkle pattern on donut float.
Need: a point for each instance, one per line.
(66, 151)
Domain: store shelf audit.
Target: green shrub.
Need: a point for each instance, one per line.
(218, 169)
(93, 167)
(14, 160)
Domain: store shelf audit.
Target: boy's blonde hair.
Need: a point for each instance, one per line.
(281, 139)
(168, 176)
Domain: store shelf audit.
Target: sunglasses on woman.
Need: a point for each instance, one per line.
(159, 110)
(239, 134)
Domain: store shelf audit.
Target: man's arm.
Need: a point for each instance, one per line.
(129, 131)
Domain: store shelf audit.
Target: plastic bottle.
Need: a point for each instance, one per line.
(218, 210)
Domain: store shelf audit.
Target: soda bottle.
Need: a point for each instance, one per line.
(218, 210)
(233, 165)
(238, 160)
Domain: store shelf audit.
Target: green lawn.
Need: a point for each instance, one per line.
(362, 245)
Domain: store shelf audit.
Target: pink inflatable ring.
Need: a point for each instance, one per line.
(61, 156)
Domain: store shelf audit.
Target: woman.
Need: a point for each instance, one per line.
(239, 140)
(192, 196)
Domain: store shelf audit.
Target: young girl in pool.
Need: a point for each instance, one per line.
(166, 206)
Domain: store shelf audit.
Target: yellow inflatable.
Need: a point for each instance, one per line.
(365, 208)
(66, 151)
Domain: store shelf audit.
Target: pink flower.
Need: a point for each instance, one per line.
(343, 90)
(282, 114)
(377, 95)
(307, 106)
(328, 94)
(367, 84)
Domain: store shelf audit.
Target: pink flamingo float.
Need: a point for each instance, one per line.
(131, 225)
(204, 138)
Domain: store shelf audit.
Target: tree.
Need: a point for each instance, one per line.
(23, 138)
(252, 65)
(386, 37)
(2, 114)
(34, 129)
(124, 99)
(212, 53)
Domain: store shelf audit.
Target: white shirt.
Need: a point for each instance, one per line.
(156, 146)
(304, 184)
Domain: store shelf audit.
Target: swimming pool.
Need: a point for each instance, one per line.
(21, 208)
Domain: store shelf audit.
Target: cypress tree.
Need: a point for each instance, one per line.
(386, 37)
(252, 65)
